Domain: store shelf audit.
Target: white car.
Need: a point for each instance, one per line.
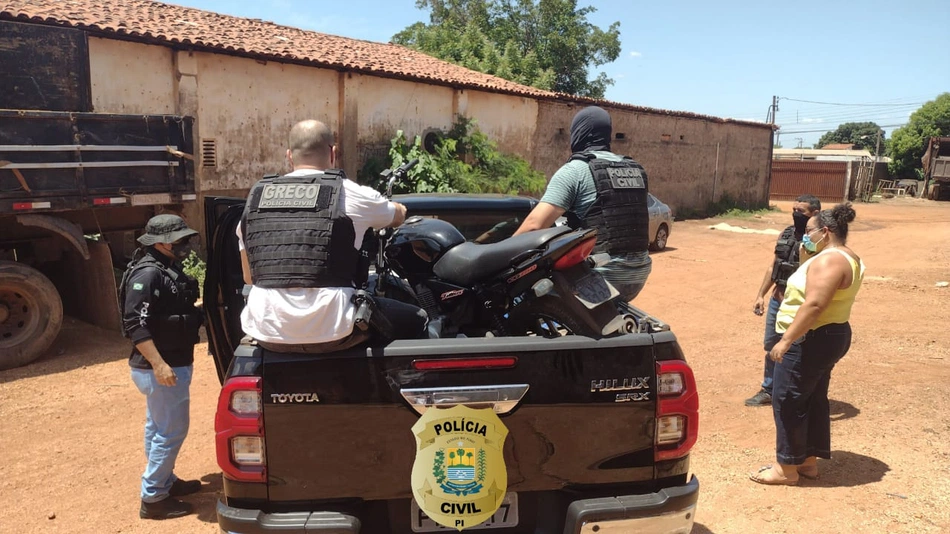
(661, 222)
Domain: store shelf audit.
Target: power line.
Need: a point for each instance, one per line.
(841, 119)
(853, 113)
(838, 103)
(789, 132)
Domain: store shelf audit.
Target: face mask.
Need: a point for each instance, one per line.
(809, 245)
(182, 250)
(801, 221)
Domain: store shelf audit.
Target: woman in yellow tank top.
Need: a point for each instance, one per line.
(813, 322)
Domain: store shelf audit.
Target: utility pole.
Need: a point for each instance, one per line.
(770, 118)
(877, 150)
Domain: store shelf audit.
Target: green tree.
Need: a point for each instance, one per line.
(548, 44)
(863, 135)
(909, 142)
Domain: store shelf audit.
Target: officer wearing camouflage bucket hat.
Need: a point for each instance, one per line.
(160, 318)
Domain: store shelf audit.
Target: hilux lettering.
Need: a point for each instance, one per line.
(615, 384)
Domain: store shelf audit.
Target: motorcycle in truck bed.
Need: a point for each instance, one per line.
(510, 434)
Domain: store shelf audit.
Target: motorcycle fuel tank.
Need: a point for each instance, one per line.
(416, 245)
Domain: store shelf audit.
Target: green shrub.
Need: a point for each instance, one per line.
(464, 160)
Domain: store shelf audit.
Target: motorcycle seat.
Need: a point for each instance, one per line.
(470, 262)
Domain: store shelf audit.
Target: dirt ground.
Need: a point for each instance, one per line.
(71, 423)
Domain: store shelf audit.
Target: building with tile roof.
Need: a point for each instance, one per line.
(247, 81)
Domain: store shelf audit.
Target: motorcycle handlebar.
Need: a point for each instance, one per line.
(397, 174)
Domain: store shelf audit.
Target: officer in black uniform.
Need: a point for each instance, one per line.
(160, 318)
(599, 189)
(784, 263)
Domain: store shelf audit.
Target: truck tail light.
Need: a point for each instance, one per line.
(31, 205)
(464, 364)
(108, 201)
(239, 430)
(575, 255)
(677, 410)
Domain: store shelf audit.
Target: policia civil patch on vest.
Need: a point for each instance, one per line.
(283, 196)
(625, 177)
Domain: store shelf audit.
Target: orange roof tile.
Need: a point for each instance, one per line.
(838, 146)
(155, 22)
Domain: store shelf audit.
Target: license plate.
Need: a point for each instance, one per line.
(151, 198)
(594, 290)
(505, 517)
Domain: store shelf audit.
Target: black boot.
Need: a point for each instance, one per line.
(167, 508)
(184, 487)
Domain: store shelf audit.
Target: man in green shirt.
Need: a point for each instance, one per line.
(600, 189)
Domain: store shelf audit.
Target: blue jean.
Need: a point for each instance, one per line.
(771, 338)
(800, 401)
(166, 425)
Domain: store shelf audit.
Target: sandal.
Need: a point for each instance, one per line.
(810, 472)
(756, 477)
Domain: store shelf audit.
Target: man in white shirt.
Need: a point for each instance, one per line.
(302, 311)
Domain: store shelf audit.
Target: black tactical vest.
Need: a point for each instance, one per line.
(175, 321)
(786, 257)
(620, 214)
(297, 234)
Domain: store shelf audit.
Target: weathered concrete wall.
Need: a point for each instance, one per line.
(379, 107)
(131, 77)
(510, 121)
(248, 108)
(690, 162)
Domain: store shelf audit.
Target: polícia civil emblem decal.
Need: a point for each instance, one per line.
(459, 478)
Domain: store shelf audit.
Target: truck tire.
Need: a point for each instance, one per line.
(31, 314)
(547, 317)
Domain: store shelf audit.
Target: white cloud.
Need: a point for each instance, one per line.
(621, 76)
(812, 121)
(636, 54)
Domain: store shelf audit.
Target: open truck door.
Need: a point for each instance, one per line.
(224, 280)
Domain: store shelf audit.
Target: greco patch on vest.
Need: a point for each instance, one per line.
(289, 196)
(625, 178)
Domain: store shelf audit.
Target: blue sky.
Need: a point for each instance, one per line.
(725, 58)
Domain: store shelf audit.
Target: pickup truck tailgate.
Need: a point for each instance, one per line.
(338, 425)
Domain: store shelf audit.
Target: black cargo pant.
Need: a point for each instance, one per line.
(800, 394)
(408, 321)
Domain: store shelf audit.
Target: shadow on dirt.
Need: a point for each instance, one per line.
(206, 500)
(848, 469)
(699, 528)
(665, 250)
(841, 410)
(79, 344)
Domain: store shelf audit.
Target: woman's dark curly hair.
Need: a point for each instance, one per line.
(836, 220)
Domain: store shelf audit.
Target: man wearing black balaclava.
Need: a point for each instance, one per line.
(784, 263)
(597, 188)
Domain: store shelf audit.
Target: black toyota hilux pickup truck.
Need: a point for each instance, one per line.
(598, 431)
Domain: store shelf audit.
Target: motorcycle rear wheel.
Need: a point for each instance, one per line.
(548, 317)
